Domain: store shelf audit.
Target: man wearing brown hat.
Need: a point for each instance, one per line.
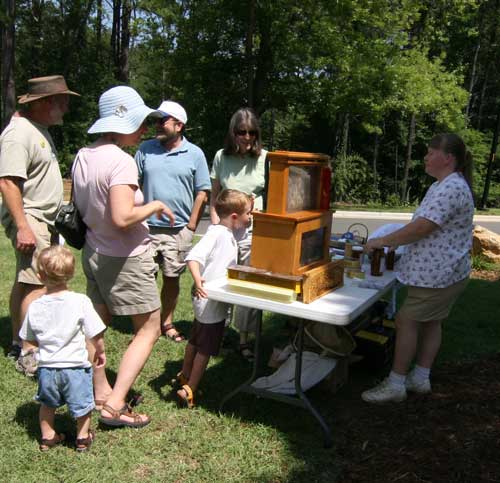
(32, 191)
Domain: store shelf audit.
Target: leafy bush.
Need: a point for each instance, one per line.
(352, 180)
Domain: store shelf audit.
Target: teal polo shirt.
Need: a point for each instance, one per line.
(173, 177)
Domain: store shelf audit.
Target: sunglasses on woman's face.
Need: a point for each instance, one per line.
(244, 132)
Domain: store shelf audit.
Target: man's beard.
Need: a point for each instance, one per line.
(165, 138)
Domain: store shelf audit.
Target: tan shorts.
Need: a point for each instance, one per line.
(424, 304)
(170, 247)
(45, 235)
(126, 285)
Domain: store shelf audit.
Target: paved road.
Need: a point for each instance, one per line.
(372, 220)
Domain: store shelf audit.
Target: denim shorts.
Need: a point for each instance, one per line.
(71, 386)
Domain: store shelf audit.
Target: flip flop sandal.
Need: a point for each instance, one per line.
(84, 444)
(185, 397)
(177, 337)
(47, 444)
(116, 422)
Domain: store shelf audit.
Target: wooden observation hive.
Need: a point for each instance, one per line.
(290, 242)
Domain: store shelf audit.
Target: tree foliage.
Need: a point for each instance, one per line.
(367, 81)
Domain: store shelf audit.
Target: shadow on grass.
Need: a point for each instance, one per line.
(27, 417)
(5, 334)
(471, 331)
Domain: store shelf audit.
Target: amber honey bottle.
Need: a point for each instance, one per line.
(376, 262)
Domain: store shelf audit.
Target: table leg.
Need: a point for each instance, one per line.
(255, 367)
(298, 388)
(392, 305)
(302, 400)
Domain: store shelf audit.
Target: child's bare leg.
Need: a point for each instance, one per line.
(200, 363)
(46, 418)
(83, 426)
(189, 355)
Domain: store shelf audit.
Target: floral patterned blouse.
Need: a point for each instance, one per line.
(442, 258)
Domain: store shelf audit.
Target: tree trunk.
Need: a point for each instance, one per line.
(375, 159)
(396, 156)
(249, 57)
(8, 58)
(98, 29)
(37, 7)
(479, 119)
(472, 81)
(406, 171)
(123, 64)
(491, 160)
(345, 136)
(115, 33)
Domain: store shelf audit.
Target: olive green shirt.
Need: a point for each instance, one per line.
(28, 152)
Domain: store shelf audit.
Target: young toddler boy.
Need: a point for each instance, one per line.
(58, 323)
(208, 260)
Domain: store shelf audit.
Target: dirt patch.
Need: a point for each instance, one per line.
(452, 435)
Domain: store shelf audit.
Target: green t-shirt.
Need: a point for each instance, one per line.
(28, 152)
(243, 173)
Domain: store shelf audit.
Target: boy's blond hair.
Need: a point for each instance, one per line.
(231, 201)
(56, 264)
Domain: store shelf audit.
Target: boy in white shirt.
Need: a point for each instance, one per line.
(58, 323)
(209, 260)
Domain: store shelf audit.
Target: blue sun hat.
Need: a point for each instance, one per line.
(121, 110)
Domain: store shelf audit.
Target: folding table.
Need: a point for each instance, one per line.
(339, 307)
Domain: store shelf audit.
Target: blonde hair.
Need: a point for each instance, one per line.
(231, 201)
(56, 264)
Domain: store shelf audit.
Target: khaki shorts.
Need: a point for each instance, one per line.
(126, 285)
(424, 304)
(45, 235)
(170, 247)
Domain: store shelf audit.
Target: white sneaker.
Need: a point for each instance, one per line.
(384, 392)
(420, 387)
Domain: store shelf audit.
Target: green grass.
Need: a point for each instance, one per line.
(260, 441)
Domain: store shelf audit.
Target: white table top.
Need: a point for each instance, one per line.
(338, 307)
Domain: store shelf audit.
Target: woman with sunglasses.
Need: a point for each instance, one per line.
(116, 258)
(240, 165)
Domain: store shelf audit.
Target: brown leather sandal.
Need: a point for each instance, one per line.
(116, 421)
(83, 444)
(46, 444)
(177, 337)
(185, 397)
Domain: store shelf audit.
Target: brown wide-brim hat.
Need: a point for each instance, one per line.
(40, 87)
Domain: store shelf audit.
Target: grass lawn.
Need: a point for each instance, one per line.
(261, 441)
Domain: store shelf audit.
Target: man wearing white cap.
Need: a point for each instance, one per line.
(174, 171)
(32, 190)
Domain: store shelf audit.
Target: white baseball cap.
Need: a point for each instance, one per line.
(121, 110)
(174, 109)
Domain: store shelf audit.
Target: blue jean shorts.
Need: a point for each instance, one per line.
(71, 386)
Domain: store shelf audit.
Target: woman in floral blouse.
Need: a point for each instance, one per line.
(435, 267)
